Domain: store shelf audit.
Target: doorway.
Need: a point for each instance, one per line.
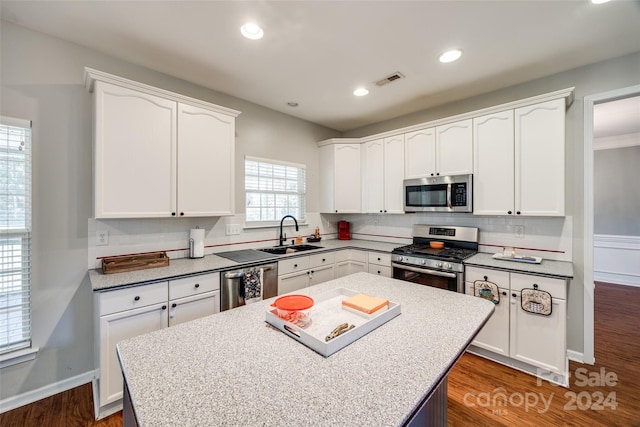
(589, 217)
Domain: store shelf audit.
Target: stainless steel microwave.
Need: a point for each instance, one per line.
(452, 193)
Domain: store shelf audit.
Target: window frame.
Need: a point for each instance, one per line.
(300, 194)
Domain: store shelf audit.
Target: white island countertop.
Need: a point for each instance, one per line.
(232, 368)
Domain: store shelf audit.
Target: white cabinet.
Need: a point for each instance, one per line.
(123, 314)
(420, 153)
(454, 148)
(528, 341)
(493, 174)
(340, 187)
(297, 273)
(159, 154)
(382, 175)
(129, 312)
(193, 297)
(519, 161)
(350, 261)
(539, 155)
(380, 263)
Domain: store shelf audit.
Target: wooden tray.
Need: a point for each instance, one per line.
(120, 264)
(326, 314)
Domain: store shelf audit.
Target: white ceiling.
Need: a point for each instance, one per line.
(316, 53)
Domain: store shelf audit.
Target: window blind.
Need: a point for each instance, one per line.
(274, 189)
(15, 234)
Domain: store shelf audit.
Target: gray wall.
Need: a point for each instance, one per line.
(592, 79)
(42, 80)
(616, 195)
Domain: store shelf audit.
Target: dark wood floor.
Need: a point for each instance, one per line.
(478, 382)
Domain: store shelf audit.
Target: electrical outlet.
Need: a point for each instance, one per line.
(232, 229)
(519, 230)
(102, 238)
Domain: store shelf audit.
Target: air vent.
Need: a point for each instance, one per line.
(390, 78)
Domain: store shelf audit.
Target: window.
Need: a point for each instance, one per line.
(273, 189)
(15, 234)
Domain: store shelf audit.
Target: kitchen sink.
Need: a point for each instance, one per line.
(281, 250)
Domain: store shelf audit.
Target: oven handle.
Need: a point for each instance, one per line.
(425, 270)
(449, 196)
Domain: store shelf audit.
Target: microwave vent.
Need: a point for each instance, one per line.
(390, 78)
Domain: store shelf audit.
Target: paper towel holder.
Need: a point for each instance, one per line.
(192, 248)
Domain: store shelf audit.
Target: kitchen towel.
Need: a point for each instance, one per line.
(252, 282)
(486, 290)
(196, 243)
(536, 301)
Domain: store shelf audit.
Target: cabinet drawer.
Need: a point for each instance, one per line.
(194, 285)
(130, 298)
(292, 265)
(381, 270)
(556, 287)
(379, 258)
(318, 260)
(361, 256)
(500, 278)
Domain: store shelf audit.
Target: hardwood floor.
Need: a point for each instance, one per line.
(481, 393)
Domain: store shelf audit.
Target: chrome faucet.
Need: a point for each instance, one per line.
(282, 239)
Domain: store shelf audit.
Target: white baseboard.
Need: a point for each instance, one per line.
(576, 356)
(46, 391)
(616, 259)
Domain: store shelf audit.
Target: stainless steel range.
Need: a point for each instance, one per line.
(441, 268)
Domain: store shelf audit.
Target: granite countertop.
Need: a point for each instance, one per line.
(560, 269)
(232, 368)
(185, 266)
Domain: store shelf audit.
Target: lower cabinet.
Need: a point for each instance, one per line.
(126, 313)
(380, 263)
(351, 261)
(297, 273)
(532, 342)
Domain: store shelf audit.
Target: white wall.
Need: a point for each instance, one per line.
(42, 80)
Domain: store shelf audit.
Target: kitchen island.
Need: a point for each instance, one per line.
(233, 368)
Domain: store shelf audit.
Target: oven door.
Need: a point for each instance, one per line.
(448, 280)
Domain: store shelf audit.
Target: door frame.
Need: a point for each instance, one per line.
(589, 285)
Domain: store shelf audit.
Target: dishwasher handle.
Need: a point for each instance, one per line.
(239, 274)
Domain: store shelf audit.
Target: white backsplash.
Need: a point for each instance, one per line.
(134, 236)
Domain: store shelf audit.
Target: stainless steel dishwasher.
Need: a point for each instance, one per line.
(232, 294)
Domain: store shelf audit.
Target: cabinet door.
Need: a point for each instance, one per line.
(134, 154)
(321, 274)
(454, 148)
(539, 159)
(393, 174)
(493, 171)
(539, 340)
(420, 153)
(347, 188)
(342, 268)
(115, 328)
(373, 177)
(494, 335)
(191, 308)
(293, 282)
(206, 141)
(358, 266)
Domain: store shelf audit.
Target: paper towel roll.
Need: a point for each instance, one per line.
(196, 243)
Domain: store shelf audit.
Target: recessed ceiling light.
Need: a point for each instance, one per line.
(450, 55)
(292, 104)
(360, 91)
(252, 31)
(599, 1)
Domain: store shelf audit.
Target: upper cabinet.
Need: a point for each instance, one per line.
(454, 148)
(340, 188)
(382, 175)
(519, 161)
(420, 153)
(159, 154)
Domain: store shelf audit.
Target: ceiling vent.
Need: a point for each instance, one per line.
(390, 78)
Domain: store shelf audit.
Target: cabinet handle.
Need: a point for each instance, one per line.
(518, 213)
(336, 210)
(378, 259)
(509, 212)
(324, 259)
(173, 214)
(378, 271)
(513, 294)
(164, 307)
(174, 305)
(504, 293)
(486, 278)
(295, 265)
(181, 213)
(431, 174)
(136, 298)
(197, 285)
(438, 174)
